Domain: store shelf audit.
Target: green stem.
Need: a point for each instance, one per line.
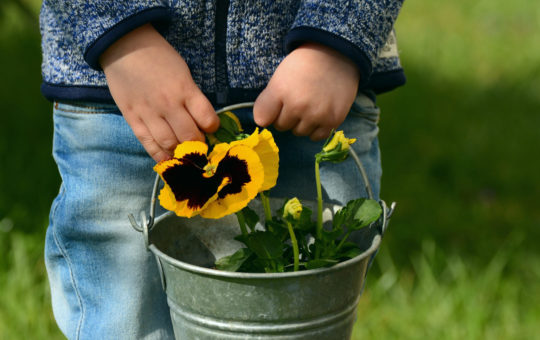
(242, 223)
(319, 206)
(294, 243)
(343, 240)
(266, 205)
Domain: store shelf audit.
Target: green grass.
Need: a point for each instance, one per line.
(25, 308)
(459, 142)
(453, 300)
(459, 145)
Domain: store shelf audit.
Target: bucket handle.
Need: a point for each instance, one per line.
(146, 226)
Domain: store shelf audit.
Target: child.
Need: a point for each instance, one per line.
(130, 80)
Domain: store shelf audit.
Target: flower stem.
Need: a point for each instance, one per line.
(343, 240)
(266, 205)
(294, 243)
(242, 223)
(319, 205)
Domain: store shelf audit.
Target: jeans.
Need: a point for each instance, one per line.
(104, 283)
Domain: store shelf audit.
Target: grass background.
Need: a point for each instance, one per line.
(461, 259)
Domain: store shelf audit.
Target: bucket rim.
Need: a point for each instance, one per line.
(375, 243)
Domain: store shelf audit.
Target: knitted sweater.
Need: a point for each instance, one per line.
(232, 47)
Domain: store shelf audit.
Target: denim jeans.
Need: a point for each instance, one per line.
(104, 283)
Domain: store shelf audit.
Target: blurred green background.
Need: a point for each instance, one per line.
(461, 259)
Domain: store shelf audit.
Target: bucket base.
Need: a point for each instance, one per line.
(190, 326)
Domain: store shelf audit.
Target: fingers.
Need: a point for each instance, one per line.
(307, 121)
(181, 124)
(320, 133)
(267, 108)
(310, 92)
(293, 113)
(290, 118)
(153, 88)
(203, 113)
(148, 141)
(160, 129)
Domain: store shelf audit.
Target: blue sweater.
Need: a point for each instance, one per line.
(232, 47)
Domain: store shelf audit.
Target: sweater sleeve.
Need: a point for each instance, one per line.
(356, 28)
(98, 24)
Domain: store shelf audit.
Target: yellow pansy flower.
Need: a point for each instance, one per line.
(212, 186)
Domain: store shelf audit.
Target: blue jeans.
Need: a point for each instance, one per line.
(104, 283)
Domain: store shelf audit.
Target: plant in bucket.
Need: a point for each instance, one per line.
(237, 264)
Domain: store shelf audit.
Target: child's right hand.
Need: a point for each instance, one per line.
(154, 90)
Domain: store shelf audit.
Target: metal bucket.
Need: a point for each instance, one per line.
(209, 304)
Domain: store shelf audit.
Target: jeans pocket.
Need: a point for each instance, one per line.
(85, 108)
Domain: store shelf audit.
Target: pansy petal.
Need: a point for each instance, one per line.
(164, 165)
(187, 189)
(264, 145)
(188, 183)
(269, 154)
(218, 152)
(166, 198)
(250, 141)
(245, 171)
(189, 147)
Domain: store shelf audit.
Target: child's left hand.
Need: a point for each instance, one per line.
(310, 93)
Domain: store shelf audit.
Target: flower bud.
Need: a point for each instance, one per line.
(336, 148)
(292, 208)
(339, 142)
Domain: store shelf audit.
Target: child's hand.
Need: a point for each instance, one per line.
(310, 92)
(154, 90)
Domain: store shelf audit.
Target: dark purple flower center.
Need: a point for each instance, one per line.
(188, 181)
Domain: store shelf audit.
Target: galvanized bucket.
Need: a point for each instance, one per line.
(209, 304)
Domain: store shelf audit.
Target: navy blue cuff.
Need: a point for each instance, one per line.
(101, 94)
(303, 34)
(55, 92)
(386, 81)
(155, 15)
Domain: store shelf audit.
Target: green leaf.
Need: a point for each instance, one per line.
(232, 262)
(305, 222)
(349, 252)
(357, 214)
(278, 228)
(303, 245)
(320, 263)
(276, 224)
(250, 217)
(332, 156)
(265, 245)
(340, 217)
(332, 235)
(224, 135)
(368, 211)
(228, 124)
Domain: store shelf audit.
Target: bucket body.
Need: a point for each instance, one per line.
(210, 304)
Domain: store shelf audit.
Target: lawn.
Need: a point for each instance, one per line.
(461, 257)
